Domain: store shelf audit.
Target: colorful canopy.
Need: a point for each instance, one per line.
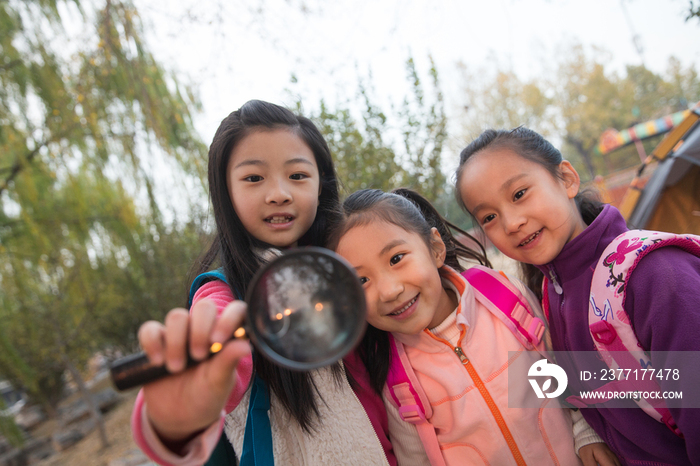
(612, 139)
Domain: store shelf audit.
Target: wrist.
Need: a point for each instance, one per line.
(174, 434)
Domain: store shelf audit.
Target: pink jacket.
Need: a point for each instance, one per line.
(469, 401)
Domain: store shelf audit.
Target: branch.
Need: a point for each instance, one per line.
(585, 155)
(18, 165)
(9, 65)
(21, 163)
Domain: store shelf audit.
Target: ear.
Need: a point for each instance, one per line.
(438, 249)
(570, 177)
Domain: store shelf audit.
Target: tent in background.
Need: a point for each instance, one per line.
(670, 199)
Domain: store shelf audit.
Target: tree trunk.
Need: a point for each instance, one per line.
(87, 396)
(585, 155)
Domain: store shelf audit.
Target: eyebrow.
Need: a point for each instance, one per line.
(391, 246)
(258, 162)
(384, 250)
(504, 187)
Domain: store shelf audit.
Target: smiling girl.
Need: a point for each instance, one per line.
(272, 184)
(527, 200)
(418, 299)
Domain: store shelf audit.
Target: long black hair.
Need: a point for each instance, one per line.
(412, 212)
(233, 247)
(535, 148)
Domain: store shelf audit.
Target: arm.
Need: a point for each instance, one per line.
(663, 302)
(195, 451)
(188, 435)
(588, 445)
(583, 433)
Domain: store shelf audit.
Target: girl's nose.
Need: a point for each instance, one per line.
(513, 221)
(390, 289)
(278, 194)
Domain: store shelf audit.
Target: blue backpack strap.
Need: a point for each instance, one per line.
(257, 440)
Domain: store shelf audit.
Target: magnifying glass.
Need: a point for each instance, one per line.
(306, 309)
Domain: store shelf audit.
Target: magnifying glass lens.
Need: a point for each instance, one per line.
(306, 309)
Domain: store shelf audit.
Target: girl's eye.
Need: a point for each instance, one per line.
(363, 280)
(487, 219)
(519, 194)
(298, 176)
(396, 259)
(253, 178)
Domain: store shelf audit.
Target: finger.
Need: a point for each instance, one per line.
(612, 460)
(587, 457)
(202, 317)
(230, 320)
(151, 337)
(176, 330)
(605, 457)
(223, 365)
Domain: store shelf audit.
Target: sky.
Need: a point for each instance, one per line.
(231, 51)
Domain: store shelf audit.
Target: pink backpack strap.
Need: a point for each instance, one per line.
(408, 395)
(504, 300)
(545, 298)
(610, 326)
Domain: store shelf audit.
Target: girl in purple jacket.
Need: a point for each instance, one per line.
(527, 200)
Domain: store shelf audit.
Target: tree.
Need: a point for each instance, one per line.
(365, 154)
(591, 100)
(497, 98)
(363, 158)
(574, 104)
(424, 133)
(79, 227)
(693, 10)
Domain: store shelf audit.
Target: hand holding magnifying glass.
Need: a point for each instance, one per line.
(306, 309)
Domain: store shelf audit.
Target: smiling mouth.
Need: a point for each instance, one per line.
(531, 238)
(403, 309)
(279, 219)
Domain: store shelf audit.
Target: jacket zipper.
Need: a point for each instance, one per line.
(555, 282)
(515, 451)
(560, 323)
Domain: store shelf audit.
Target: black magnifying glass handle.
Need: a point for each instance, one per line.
(135, 369)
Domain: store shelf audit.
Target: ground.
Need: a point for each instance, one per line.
(88, 451)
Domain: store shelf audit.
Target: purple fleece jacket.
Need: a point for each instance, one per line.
(663, 303)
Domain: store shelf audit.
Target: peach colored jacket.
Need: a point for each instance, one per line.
(469, 401)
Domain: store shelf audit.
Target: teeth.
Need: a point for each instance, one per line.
(279, 219)
(403, 309)
(532, 236)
